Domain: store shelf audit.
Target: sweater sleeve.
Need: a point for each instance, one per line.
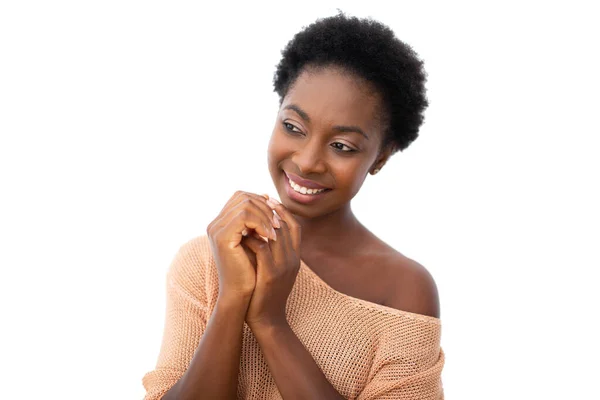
(423, 385)
(185, 320)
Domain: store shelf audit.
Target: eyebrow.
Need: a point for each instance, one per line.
(339, 128)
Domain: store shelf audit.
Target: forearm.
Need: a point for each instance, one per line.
(214, 368)
(296, 373)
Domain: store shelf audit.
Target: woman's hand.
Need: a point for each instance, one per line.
(277, 266)
(243, 214)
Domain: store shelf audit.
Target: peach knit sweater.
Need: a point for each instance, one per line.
(366, 350)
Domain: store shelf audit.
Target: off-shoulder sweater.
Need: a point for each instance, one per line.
(366, 350)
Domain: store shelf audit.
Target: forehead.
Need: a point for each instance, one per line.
(333, 96)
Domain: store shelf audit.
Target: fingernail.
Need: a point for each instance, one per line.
(274, 200)
(274, 234)
(276, 221)
(245, 232)
(271, 203)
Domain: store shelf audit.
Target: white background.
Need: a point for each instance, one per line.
(126, 125)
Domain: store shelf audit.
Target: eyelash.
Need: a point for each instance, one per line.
(286, 127)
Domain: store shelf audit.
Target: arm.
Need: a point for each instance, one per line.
(213, 371)
(293, 368)
(411, 369)
(296, 373)
(200, 358)
(391, 382)
(200, 352)
(415, 291)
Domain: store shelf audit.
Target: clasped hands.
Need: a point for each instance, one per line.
(277, 263)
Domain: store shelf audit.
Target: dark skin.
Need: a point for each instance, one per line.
(306, 143)
(313, 150)
(322, 100)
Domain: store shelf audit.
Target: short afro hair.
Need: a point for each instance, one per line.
(370, 50)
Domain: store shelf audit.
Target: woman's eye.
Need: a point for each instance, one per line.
(342, 145)
(289, 127)
(337, 145)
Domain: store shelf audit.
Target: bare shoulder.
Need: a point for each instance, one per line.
(412, 288)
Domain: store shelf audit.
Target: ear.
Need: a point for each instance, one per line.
(381, 160)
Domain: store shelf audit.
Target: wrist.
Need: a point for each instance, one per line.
(271, 325)
(233, 301)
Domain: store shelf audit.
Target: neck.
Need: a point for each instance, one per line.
(326, 233)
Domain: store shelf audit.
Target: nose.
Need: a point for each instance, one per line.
(309, 158)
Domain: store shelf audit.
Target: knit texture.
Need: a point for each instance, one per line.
(366, 350)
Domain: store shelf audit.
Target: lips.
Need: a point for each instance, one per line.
(300, 198)
(303, 182)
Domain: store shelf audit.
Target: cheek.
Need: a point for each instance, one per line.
(351, 177)
(272, 143)
(276, 150)
(278, 145)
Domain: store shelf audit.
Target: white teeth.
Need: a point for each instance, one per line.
(303, 190)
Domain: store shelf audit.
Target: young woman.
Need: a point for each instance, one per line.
(299, 300)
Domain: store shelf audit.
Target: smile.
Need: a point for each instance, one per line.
(303, 190)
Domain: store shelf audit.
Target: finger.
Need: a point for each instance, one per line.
(258, 206)
(257, 235)
(251, 255)
(289, 238)
(246, 217)
(232, 202)
(239, 197)
(288, 217)
(284, 245)
(271, 202)
(261, 201)
(268, 213)
(262, 250)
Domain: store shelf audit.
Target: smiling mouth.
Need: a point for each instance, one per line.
(303, 190)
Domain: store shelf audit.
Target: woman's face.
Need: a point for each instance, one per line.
(327, 131)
